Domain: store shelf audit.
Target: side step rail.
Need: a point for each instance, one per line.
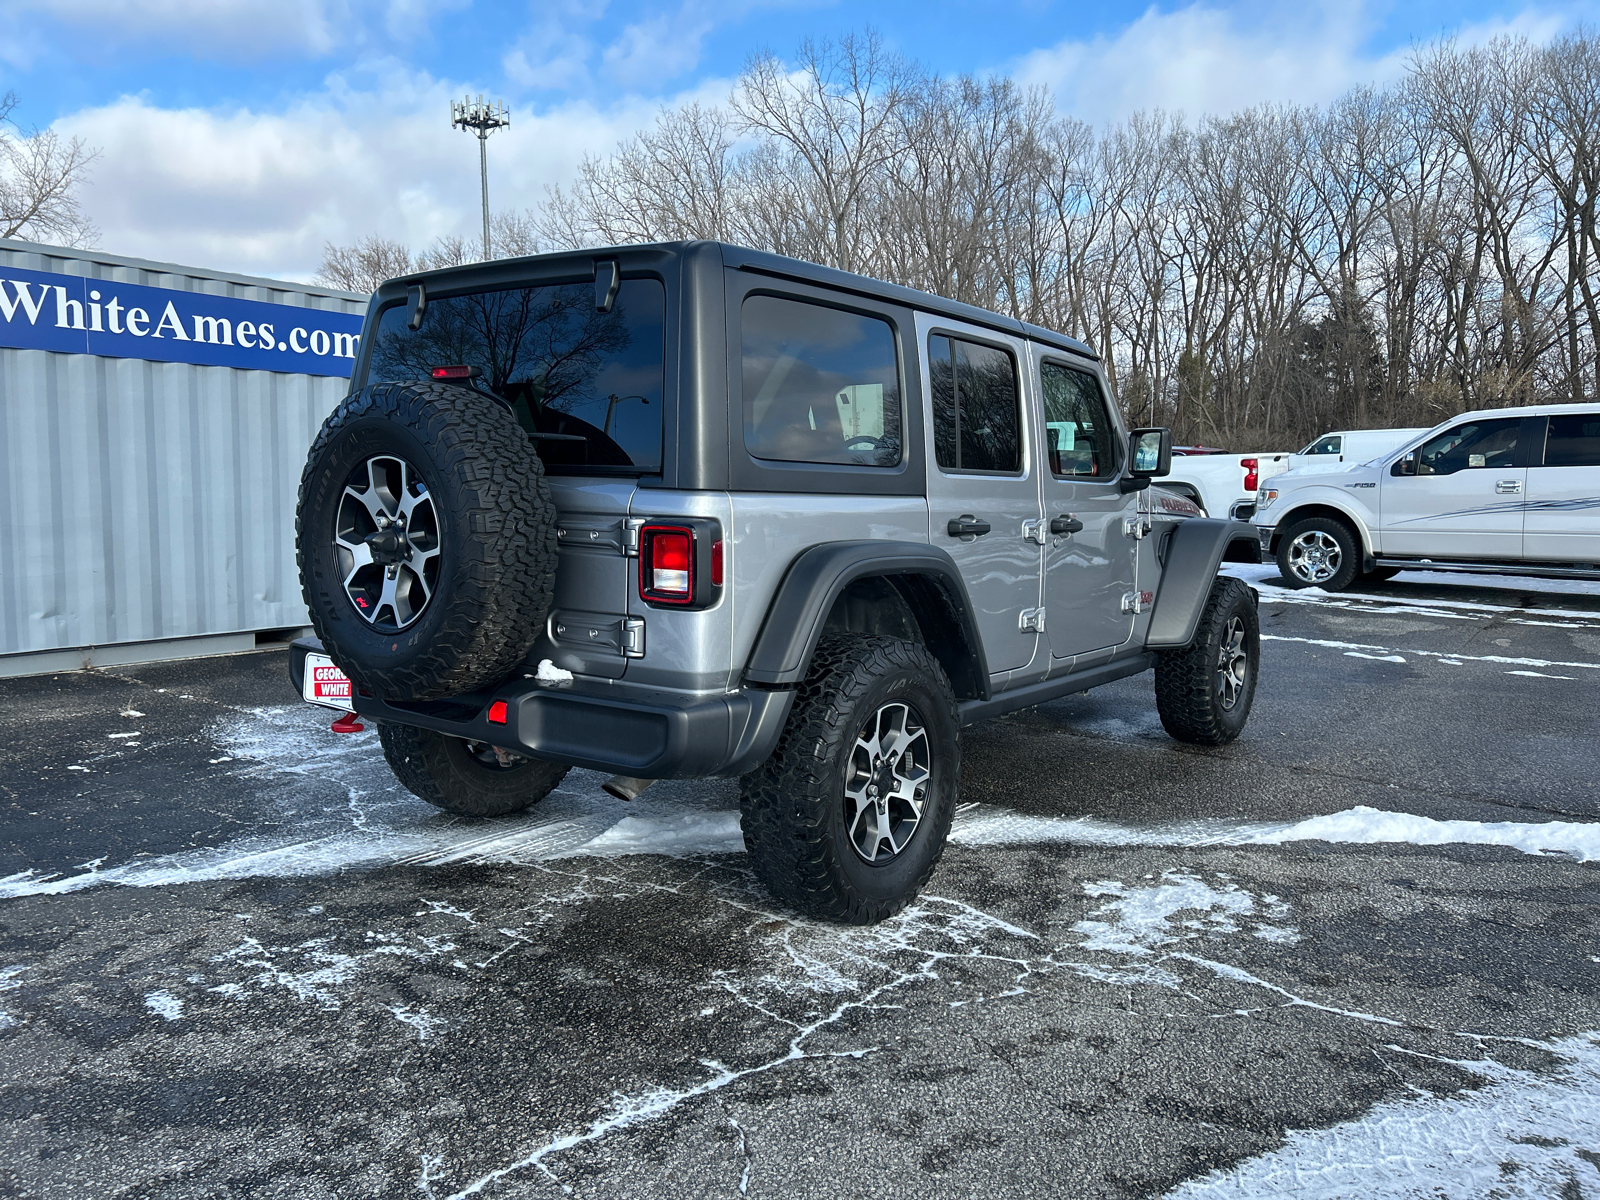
(1488, 567)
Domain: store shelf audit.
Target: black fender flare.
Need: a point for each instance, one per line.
(789, 635)
(1194, 550)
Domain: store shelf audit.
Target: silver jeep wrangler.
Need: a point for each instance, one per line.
(689, 510)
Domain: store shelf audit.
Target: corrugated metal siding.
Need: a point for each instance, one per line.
(147, 500)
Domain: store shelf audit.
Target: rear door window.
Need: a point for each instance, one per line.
(977, 409)
(821, 384)
(587, 386)
(1573, 441)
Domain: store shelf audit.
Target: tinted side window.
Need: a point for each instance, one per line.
(1573, 441)
(1327, 445)
(821, 385)
(586, 385)
(1082, 440)
(1477, 444)
(977, 414)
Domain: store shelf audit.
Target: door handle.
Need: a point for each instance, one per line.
(1508, 487)
(967, 525)
(1067, 524)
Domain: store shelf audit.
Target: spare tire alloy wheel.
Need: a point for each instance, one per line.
(426, 540)
(387, 539)
(1315, 556)
(887, 782)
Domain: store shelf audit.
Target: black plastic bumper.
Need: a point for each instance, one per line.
(651, 735)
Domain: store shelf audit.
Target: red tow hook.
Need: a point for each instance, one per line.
(349, 723)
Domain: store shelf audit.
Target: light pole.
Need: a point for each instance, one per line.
(482, 119)
(611, 406)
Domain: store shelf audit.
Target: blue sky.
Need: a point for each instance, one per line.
(242, 134)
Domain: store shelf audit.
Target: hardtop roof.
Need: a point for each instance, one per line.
(500, 271)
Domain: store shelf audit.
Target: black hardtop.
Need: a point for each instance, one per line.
(575, 265)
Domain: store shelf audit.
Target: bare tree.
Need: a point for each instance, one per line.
(363, 266)
(39, 176)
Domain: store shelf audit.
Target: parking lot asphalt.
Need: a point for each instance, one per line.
(1353, 954)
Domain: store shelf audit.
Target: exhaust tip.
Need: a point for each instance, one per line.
(625, 787)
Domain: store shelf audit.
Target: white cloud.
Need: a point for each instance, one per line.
(1202, 58)
(260, 192)
(663, 47)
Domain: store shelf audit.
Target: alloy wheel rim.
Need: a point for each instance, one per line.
(386, 535)
(886, 782)
(1315, 556)
(1233, 664)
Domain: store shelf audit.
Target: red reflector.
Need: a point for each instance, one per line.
(497, 713)
(1252, 475)
(716, 563)
(456, 372)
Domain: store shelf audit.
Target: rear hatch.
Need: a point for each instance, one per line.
(588, 388)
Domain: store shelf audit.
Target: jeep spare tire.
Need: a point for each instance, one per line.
(426, 540)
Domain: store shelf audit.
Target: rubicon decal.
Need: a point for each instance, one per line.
(69, 314)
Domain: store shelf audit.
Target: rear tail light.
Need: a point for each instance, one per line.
(680, 563)
(497, 712)
(1252, 473)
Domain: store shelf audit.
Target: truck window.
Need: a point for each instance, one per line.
(1573, 441)
(1327, 445)
(821, 385)
(1472, 446)
(587, 386)
(977, 418)
(1080, 436)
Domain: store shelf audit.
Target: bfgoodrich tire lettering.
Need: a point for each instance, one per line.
(1204, 692)
(795, 808)
(491, 579)
(462, 777)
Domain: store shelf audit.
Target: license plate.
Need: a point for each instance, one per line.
(325, 684)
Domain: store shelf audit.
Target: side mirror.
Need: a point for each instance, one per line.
(1406, 464)
(1150, 453)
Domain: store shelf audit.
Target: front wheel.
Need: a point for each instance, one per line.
(1204, 692)
(849, 816)
(469, 779)
(1319, 552)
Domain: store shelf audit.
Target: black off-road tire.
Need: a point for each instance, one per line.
(792, 806)
(447, 773)
(1189, 690)
(496, 536)
(1332, 531)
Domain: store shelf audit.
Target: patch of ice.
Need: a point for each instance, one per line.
(1542, 675)
(1139, 919)
(1523, 1135)
(130, 713)
(682, 833)
(422, 1021)
(133, 734)
(1374, 657)
(1366, 825)
(164, 1004)
(548, 672)
(1455, 659)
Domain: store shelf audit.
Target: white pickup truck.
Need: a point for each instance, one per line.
(1506, 491)
(1224, 485)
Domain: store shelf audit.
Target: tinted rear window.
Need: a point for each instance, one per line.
(1574, 441)
(586, 385)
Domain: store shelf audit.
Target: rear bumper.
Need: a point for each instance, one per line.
(647, 734)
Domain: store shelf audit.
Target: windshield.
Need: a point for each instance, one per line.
(586, 385)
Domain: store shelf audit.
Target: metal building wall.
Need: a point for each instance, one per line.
(149, 500)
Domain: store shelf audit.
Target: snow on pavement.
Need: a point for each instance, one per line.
(1520, 1135)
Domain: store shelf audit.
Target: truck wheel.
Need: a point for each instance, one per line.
(426, 540)
(849, 816)
(1204, 692)
(462, 777)
(1319, 552)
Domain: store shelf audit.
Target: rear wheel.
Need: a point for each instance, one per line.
(470, 779)
(849, 816)
(1204, 692)
(1319, 552)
